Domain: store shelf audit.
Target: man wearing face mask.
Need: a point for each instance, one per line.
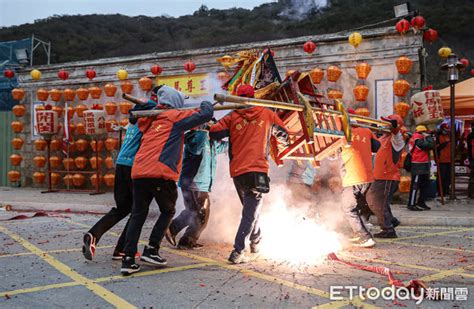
(443, 146)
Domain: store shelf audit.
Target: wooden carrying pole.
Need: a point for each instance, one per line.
(156, 112)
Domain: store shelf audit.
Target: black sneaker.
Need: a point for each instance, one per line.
(238, 258)
(423, 206)
(152, 256)
(364, 243)
(88, 249)
(395, 222)
(129, 266)
(170, 237)
(386, 234)
(414, 208)
(254, 248)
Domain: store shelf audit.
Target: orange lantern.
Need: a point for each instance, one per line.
(14, 176)
(55, 177)
(56, 95)
(109, 124)
(363, 69)
(401, 88)
(97, 145)
(405, 182)
(54, 161)
(110, 90)
(335, 94)
(69, 95)
(72, 128)
(124, 122)
(125, 107)
(55, 144)
(82, 93)
(68, 163)
(361, 93)
(145, 83)
(316, 75)
(402, 109)
(404, 65)
(110, 108)
(58, 110)
(80, 128)
(127, 87)
(93, 162)
(93, 180)
(362, 111)
(333, 73)
(40, 144)
(39, 161)
(68, 180)
(95, 92)
(78, 180)
(70, 111)
(17, 126)
(42, 94)
(16, 159)
(81, 144)
(109, 180)
(80, 162)
(72, 146)
(39, 177)
(19, 110)
(17, 143)
(109, 162)
(111, 143)
(18, 94)
(80, 109)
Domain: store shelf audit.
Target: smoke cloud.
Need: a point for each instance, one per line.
(299, 9)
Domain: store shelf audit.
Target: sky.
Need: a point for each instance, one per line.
(17, 12)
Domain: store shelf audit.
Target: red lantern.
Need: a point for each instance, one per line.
(189, 66)
(63, 74)
(418, 22)
(472, 72)
(402, 26)
(309, 47)
(465, 62)
(9, 73)
(90, 74)
(430, 35)
(156, 70)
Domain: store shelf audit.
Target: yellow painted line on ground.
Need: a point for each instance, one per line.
(434, 247)
(40, 288)
(356, 303)
(52, 251)
(446, 273)
(427, 227)
(66, 270)
(425, 235)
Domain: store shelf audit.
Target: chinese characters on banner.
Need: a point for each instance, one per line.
(426, 107)
(46, 122)
(190, 84)
(383, 97)
(94, 121)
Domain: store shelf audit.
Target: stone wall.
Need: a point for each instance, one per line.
(380, 48)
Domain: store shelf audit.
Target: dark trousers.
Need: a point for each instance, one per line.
(350, 195)
(445, 171)
(197, 207)
(419, 186)
(144, 191)
(123, 196)
(379, 198)
(252, 204)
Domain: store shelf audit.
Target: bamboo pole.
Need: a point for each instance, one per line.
(156, 112)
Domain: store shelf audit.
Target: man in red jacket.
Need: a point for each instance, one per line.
(387, 178)
(156, 170)
(248, 131)
(443, 146)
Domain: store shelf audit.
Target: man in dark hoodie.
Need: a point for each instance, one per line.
(248, 131)
(155, 171)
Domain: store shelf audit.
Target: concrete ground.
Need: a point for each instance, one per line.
(43, 267)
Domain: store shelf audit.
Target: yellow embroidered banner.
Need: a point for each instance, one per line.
(190, 84)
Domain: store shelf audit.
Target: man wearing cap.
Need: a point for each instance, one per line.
(387, 177)
(155, 171)
(248, 130)
(196, 179)
(419, 147)
(443, 147)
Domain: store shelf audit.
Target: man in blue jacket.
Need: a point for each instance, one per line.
(197, 176)
(123, 194)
